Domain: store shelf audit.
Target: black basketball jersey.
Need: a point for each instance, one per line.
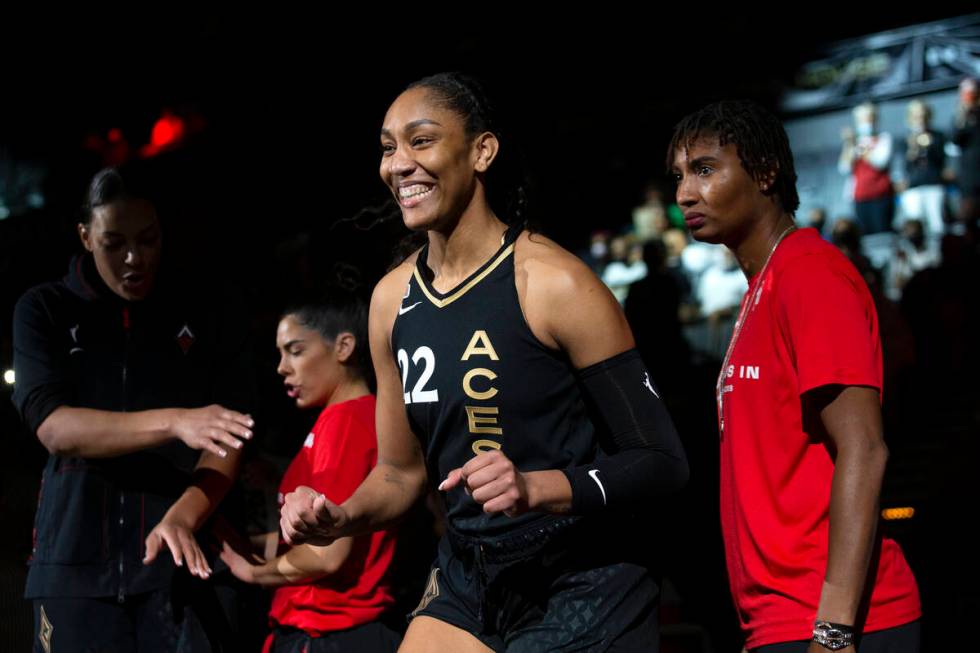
(475, 378)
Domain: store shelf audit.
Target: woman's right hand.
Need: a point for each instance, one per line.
(308, 517)
(212, 428)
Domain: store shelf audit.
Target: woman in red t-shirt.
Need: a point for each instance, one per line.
(326, 596)
(802, 450)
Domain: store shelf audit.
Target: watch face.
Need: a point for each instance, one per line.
(834, 644)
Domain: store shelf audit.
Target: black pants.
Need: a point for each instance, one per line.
(901, 639)
(875, 216)
(372, 636)
(143, 623)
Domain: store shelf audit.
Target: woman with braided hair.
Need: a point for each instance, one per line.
(802, 451)
(508, 378)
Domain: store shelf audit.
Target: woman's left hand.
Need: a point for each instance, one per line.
(493, 481)
(182, 544)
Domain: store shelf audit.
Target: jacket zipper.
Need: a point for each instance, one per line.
(122, 495)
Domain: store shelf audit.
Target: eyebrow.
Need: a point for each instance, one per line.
(144, 230)
(702, 160)
(412, 125)
(294, 341)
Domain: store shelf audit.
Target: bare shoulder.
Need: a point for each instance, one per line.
(388, 293)
(548, 267)
(565, 304)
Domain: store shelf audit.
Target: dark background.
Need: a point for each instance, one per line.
(291, 108)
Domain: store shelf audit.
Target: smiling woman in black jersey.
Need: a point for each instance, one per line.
(507, 376)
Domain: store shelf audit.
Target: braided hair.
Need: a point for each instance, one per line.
(506, 183)
(757, 134)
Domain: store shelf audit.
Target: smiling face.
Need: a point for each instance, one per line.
(720, 200)
(429, 162)
(124, 239)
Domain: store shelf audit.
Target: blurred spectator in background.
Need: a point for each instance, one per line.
(721, 289)
(697, 258)
(625, 268)
(598, 254)
(966, 134)
(650, 218)
(719, 294)
(923, 195)
(675, 241)
(914, 252)
(866, 156)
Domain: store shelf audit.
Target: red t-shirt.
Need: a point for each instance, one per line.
(336, 457)
(814, 324)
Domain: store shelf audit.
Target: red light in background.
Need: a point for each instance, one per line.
(168, 131)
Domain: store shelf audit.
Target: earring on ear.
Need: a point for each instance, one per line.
(771, 179)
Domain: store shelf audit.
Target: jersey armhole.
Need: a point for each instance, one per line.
(557, 352)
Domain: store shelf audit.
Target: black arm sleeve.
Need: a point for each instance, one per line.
(646, 458)
(42, 382)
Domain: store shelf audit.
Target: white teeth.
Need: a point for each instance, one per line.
(415, 190)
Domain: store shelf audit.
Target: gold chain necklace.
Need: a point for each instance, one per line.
(743, 314)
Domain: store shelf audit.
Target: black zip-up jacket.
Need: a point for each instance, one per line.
(76, 343)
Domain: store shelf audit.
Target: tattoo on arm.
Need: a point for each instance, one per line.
(391, 477)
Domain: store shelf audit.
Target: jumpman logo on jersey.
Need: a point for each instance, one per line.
(646, 382)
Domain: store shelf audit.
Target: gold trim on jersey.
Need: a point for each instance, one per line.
(439, 303)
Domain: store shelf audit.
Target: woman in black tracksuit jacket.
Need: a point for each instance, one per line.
(130, 383)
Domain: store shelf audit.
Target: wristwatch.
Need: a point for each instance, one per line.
(833, 636)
